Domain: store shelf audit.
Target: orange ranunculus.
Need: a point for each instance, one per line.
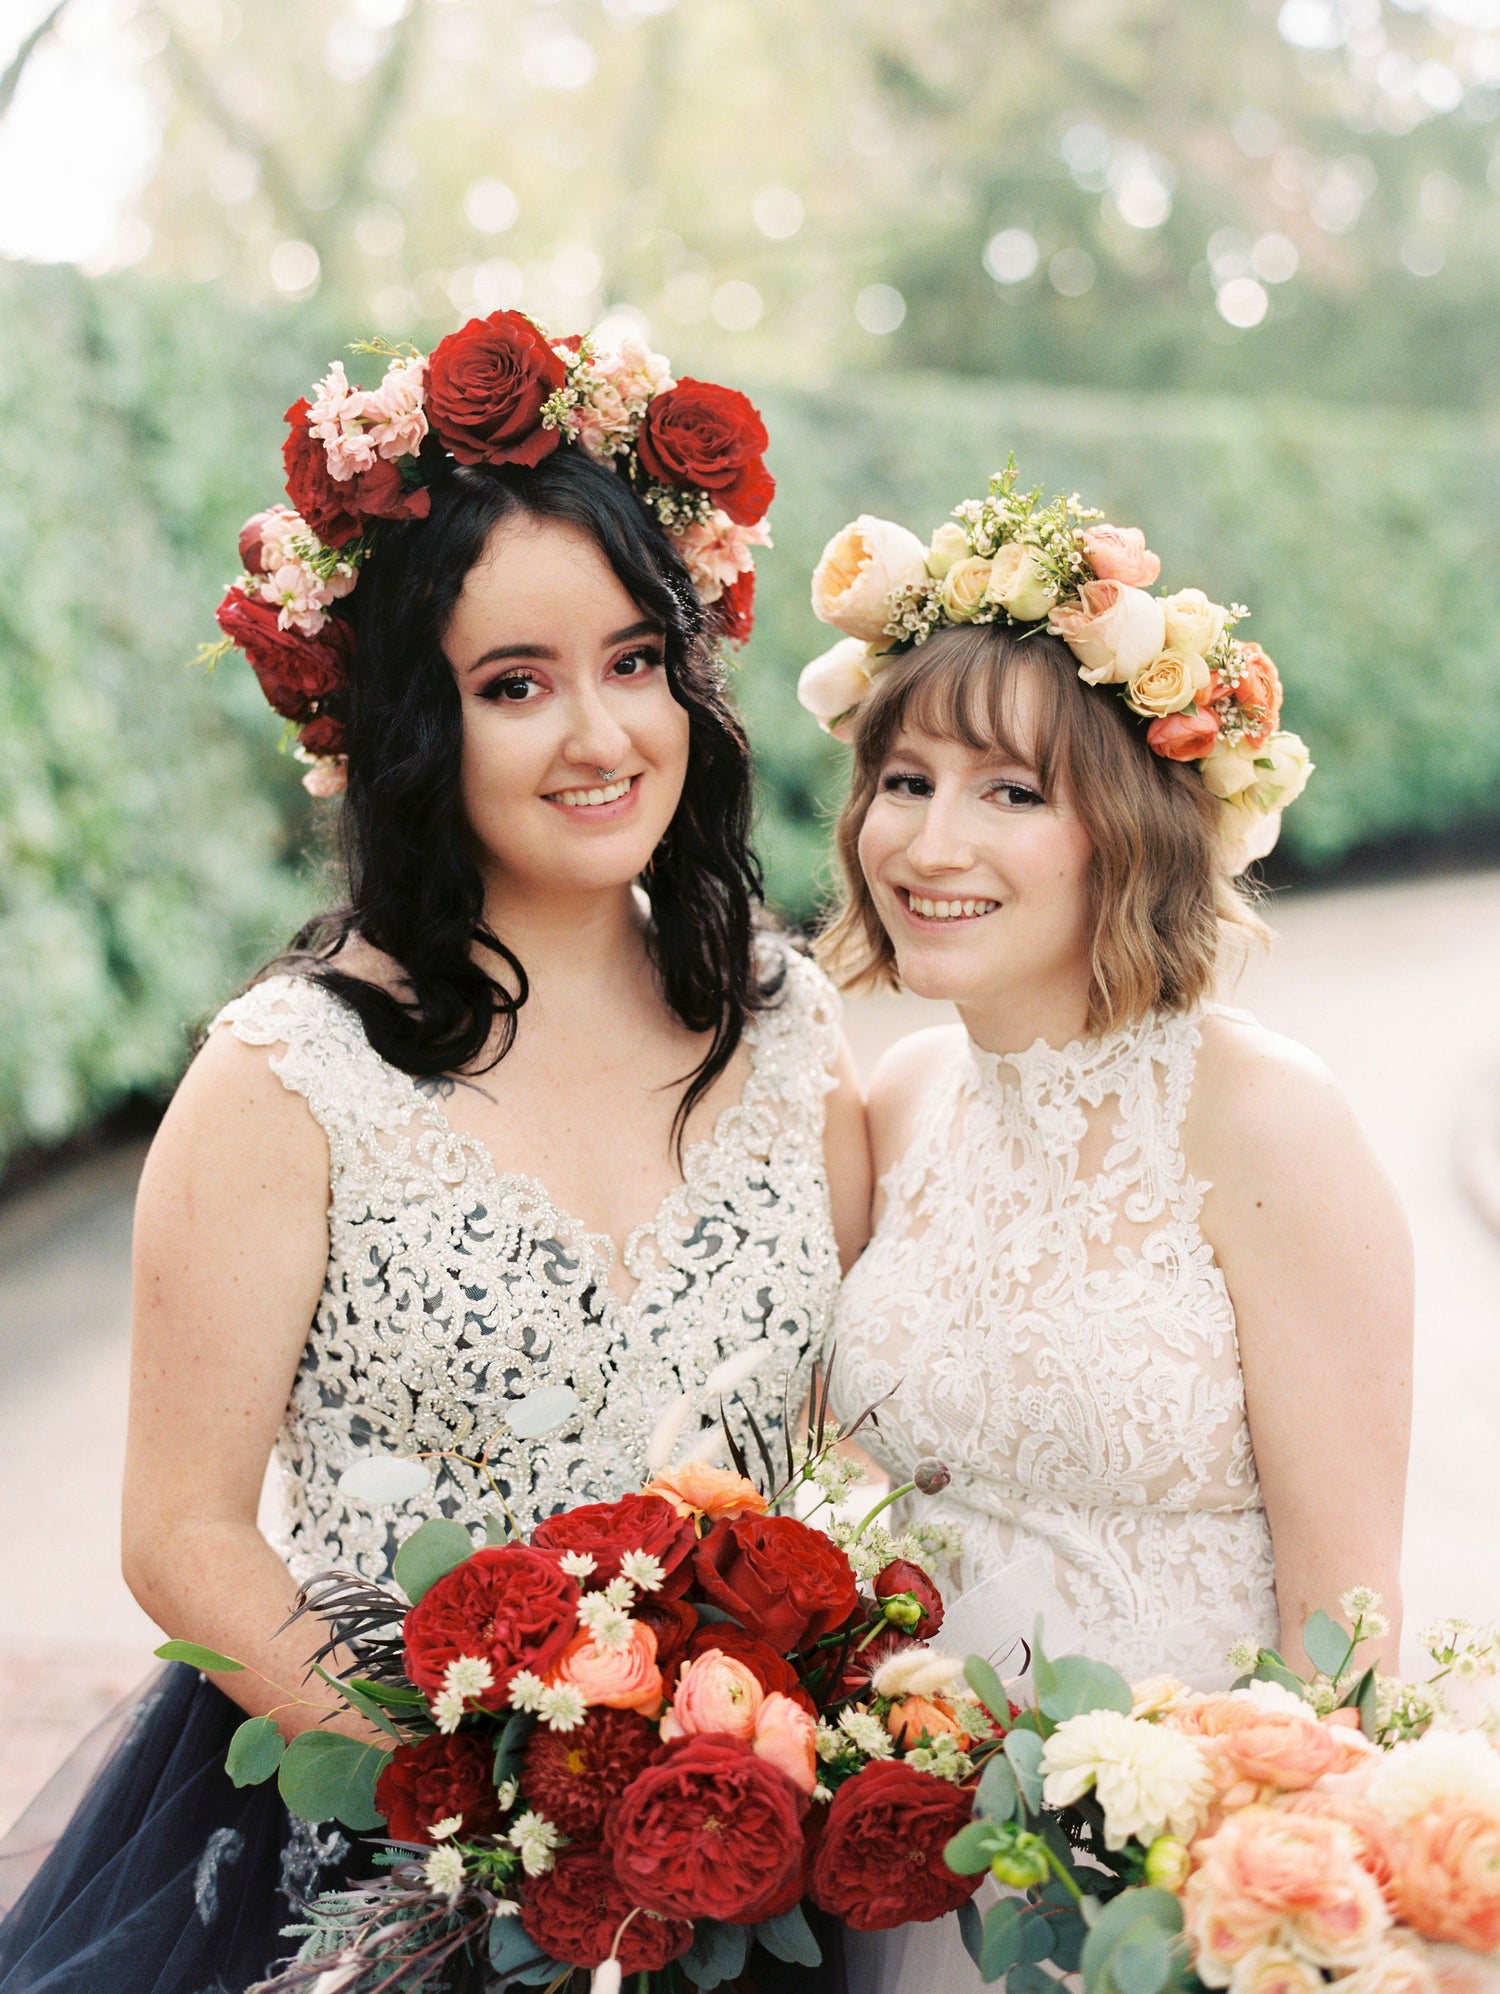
(908, 1718)
(1448, 1879)
(624, 1678)
(695, 1489)
(715, 1692)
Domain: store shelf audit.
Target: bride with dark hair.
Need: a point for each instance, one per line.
(530, 1138)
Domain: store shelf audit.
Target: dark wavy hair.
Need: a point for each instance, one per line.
(414, 889)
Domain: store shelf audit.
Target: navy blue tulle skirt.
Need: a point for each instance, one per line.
(165, 1878)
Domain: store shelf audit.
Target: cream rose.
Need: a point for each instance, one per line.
(964, 588)
(1193, 622)
(1112, 630)
(1229, 770)
(1282, 767)
(860, 569)
(1169, 684)
(950, 545)
(1018, 583)
(1247, 834)
(836, 681)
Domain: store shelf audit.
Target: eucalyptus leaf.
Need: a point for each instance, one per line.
(511, 1946)
(1029, 1979)
(542, 1411)
(997, 1796)
(1367, 1702)
(496, 1529)
(1326, 1645)
(1023, 1750)
(385, 1478)
(1077, 1685)
(987, 1686)
(971, 1928)
(429, 1554)
(1111, 1923)
(790, 1937)
(1001, 1941)
(1068, 1929)
(197, 1657)
(1141, 1962)
(254, 1751)
(971, 1849)
(717, 1953)
(1267, 1669)
(324, 1776)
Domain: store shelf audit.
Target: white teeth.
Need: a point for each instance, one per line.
(577, 799)
(950, 910)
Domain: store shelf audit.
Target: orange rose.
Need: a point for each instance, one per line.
(786, 1736)
(1184, 737)
(695, 1489)
(621, 1678)
(912, 1715)
(1448, 1881)
(715, 1692)
(1119, 554)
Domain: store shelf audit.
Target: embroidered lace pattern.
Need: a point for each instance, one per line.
(1060, 1333)
(454, 1289)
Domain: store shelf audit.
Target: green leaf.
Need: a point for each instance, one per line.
(429, 1554)
(1141, 1962)
(1326, 1645)
(1365, 1698)
(997, 1796)
(790, 1937)
(717, 1953)
(196, 1657)
(1077, 1685)
(325, 1776)
(1268, 1669)
(1001, 1941)
(970, 1850)
(356, 1699)
(496, 1530)
(512, 1948)
(1029, 1979)
(254, 1751)
(510, 1744)
(988, 1687)
(394, 1696)
(1024, 1751)
(971, 1929)
(1067, 1926)
(1111, 1924)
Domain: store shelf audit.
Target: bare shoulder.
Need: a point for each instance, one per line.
(901, 1078)
(1258, 1092)
(232, 1113)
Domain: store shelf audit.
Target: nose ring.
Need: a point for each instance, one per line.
(605, 775)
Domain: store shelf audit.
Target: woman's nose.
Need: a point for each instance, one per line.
(940, 844)
(596, 739)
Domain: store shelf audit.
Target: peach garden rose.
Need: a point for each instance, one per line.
(1120, 554)
(1112, 630)
(695, 1489)
(860, 568)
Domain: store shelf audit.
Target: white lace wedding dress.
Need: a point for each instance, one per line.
(454, 1290)
(1060, 1334)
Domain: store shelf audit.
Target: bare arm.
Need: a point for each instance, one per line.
(1317, 1257)
(846, 1152)
(231, 1245)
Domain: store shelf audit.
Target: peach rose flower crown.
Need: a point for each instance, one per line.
(1209, 698)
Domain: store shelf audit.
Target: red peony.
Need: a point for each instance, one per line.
(323, 735)
(487, 385)
(295, 672)
(770, 1670)
(338, 509)
(607, 1530)
(434, 1779)
(574, 1911)
(780, 1580)
(900, 1575)
(709, 1831)
(735, 608)
(880, 1860)
(575, 1777)
(508, 1604)
(711, 438)
(672, 1621)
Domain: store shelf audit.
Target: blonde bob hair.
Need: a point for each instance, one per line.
(1159, 887)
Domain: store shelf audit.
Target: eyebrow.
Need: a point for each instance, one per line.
(647, 627)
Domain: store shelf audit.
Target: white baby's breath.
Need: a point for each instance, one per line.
(867, 1732)
(526, 1690)
(578, 1564)
(619, 1592)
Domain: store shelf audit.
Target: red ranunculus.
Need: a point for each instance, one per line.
(672, 1621)
(323, 735)
(735, 608)
(770, 1670)
(295, 672)
(434, 1779)
(780, 1580)
(607, 1530)
(900, 1575)
(338, 509)
(487, 385)
(710, 1831)
(880, 1860)
(712, 439)
(575, 1777)
(574, 1911)
(508, 1604)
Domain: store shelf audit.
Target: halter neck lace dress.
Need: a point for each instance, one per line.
(453, 1291)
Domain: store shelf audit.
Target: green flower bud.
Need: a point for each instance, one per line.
(903, 1609)
(1168, 1863)
(1022, 1863)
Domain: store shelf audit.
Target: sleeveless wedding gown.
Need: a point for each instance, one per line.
(1060, 1334)
(453, 1291)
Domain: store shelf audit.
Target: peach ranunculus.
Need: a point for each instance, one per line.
(1459, 1971)
(1019, 583)
(1280, 1750)
(714, 1693)
(1112, 630)
(908, 1718)
(787, 1738)
(1448, 1878)
(1272, 1969)
(1403, 1967)
(1341, 1798)
(696, 1489)
(860, 569)
(624, 1678)
(1184, 737)
(965, 588)
(1168, 683)
(1267, 1876)
(1119, 554)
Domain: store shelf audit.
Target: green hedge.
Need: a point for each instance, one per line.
(153, 845)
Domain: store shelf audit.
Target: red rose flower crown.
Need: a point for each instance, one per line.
(500, 390)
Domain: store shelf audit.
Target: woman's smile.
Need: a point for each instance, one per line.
(607, 800)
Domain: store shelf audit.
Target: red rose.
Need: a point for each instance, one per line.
(735, 608)
(323, 736)
(337, 509)
(575, 1777)
(712, 439)
(294, 671)
(672, 1621)
(770, 1670)
(574, 1911)
(487, 384)
(434, 1779)
(780, 1580)
(508, 1604)
(607, 1530)
(902, 1576)
(710, 1831)
(880, 1861)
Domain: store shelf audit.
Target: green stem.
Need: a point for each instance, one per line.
(1062, 1875)
(906, 1489)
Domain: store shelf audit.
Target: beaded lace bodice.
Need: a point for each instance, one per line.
(1060, 1333)
(454, 1290)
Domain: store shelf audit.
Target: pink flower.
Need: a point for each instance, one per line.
(1120, 554)
(394, 412)
(327, 777)
(636, 374)
(1112, 630)
(714, 1693)
(716, 552)
(786, 1736)
(624, 1678)
(601, 422)
(336, 418)
(1448, 1878)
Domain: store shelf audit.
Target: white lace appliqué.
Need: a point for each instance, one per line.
(1060, 1334)
(454, 1290)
